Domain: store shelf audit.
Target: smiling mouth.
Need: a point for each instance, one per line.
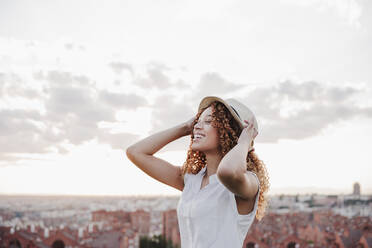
(198, 137)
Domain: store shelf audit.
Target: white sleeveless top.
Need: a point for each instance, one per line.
(209, 217)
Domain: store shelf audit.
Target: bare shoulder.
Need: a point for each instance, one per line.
(245, 205)
(249, 186)
(244, 186)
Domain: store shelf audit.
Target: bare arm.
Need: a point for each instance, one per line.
(141, 154)
(233, 174)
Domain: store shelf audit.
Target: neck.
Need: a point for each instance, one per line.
(213, 160)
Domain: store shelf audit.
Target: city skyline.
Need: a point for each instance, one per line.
(99, 221)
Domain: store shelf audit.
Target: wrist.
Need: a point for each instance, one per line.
(184, 130)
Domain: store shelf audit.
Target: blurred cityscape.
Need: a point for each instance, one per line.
(292, 221)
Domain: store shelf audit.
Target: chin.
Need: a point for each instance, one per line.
(199, 148)
(194, 147)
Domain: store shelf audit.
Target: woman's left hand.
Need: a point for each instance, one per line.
(248, 133)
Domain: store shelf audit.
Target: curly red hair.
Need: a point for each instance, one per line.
(229, 132)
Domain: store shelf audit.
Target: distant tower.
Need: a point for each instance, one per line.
(356, 189)
(46, 232)
(81, 232)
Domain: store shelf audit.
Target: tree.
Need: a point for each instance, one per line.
(156, 241)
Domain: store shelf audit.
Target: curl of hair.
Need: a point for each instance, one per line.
(229, 132)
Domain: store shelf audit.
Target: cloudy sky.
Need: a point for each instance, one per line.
(82, 80)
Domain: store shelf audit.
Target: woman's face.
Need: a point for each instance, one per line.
(205, 135)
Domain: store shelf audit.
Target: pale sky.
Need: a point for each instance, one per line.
(82, 80)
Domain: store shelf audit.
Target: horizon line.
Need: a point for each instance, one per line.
(155, 195)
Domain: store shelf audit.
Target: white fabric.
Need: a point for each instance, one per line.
(209, 217)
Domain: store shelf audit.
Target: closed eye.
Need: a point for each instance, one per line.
(205, 121)
(208, 121)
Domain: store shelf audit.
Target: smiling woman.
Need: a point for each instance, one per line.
(223, 182)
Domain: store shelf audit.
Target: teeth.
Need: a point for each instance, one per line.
(198, 136)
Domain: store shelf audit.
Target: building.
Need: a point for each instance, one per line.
(356, 189)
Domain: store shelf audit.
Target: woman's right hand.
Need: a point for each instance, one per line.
(188, 125)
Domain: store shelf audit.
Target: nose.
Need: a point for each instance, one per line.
(197, 125)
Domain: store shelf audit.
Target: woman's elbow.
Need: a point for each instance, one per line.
(130, 151)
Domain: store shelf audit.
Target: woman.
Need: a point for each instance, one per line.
(223, 182)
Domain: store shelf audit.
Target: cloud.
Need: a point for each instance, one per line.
(78, 110)
(288, 110)
(212, 83)
(21, 132)
(12, 85)
(2, 84)
(169, 111)
(118, 100)
(55, 77)
(79, 103)
(314, 91)
(72, 109)
(118, 67)
(156, 77)
(181, 84)
(301, 110)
